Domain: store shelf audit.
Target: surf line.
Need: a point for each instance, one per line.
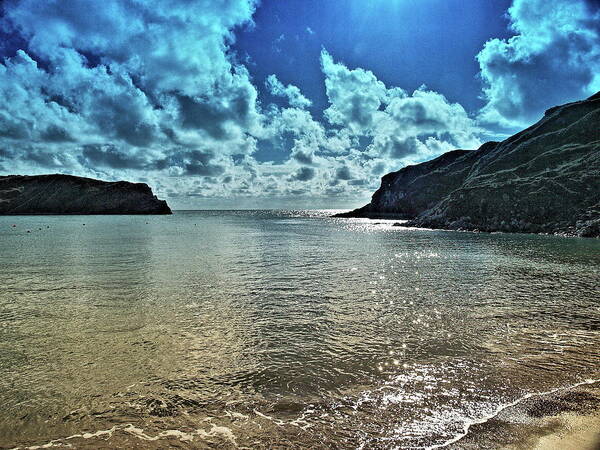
(140, 434)
(468, 424)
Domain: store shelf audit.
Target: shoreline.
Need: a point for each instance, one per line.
(561, 419)
(410, 223)
(566, 418)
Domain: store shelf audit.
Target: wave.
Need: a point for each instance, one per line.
(139, 433)
(301, 422)
(468, 424)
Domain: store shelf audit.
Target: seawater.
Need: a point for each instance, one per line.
(270, 329)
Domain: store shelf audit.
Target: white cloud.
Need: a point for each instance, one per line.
(121, 86)
(400, 125)
(355, 95)
(291, 92)
(151, 90)
(554, 58)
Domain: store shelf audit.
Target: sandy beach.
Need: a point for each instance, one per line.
(568, 419)
(574, 432)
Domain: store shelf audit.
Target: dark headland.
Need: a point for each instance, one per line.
(67, 194)
(545, 179)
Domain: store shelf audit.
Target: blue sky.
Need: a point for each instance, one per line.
(405, 43)
(282, 103)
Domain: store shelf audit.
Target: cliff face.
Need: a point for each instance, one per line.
(66, 194)
(545, 179)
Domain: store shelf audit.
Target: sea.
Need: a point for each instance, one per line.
(281, 329)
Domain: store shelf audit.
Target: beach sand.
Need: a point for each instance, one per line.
(575, 432)
(565, 420)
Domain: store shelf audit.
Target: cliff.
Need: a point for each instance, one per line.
(66, 194)
(545, 179)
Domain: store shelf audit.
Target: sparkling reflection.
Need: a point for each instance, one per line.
(280, 328)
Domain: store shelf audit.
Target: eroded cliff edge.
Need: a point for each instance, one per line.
(545, 179)
(67, 194)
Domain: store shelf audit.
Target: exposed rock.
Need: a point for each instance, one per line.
(414, 189)
(545, 179)
(66, 194)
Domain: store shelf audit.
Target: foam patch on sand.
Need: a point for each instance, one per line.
(214, 431)
(183, 436)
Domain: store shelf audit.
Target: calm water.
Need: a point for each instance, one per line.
(262, 329)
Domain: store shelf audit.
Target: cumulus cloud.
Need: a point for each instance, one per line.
(355, 95)
(304, 174)
(94, 155)
(553, 58)
(152, 90)
(115, 83)
(83, 105)
(291, 92)
(158, 41)
(343, 173)
(400, 125)
(196, 162)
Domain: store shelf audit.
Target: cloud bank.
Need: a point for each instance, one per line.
(152, 91)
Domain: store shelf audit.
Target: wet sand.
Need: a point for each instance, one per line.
(575, 432)
(564, 420)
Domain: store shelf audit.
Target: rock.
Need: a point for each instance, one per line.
(66, 194)
(545, 179)
(413, 189)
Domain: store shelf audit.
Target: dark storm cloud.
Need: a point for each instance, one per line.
(47, 159)
(213, 117)
(12, 128)
(343, 173)
(199, 169)
(378, 168)
(400, 148)
(358, 182)
(303, 174)
(5, 153)
(109, 156)
(193, 162)
(303, 157)
(206, 170)
(54, 133)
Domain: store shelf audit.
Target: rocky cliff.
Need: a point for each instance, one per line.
(66, 194)
(545, 179)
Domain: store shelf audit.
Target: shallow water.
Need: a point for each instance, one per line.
(280, 328)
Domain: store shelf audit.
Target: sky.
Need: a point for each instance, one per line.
(279, 103)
